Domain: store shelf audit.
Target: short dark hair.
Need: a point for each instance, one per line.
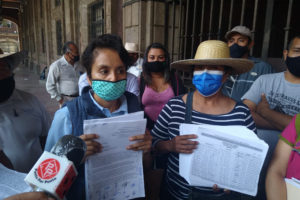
(291, 42)
(167, 72)
(66, 47)
(108, 41)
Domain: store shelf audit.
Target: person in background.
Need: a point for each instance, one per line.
(240, 42)
(106, 62)
(24, 121)
(157, 83)
(136, 68)
(285, 162)
(64, 74)
(207, 105)
(274, 99)
(157, 86)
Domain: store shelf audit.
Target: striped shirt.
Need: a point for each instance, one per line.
(167, 127)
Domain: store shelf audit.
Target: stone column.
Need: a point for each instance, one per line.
(144, 22)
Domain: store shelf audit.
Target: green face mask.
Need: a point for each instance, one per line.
(108, 90)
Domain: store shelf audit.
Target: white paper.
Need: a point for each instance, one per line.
(229, 156)
(131, 116)
(115, 173)
(292, 188)
(295, 182)
(12, 182)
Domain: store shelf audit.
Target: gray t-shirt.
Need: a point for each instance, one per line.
(283, 96)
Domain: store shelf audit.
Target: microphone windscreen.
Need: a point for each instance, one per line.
(72, 147)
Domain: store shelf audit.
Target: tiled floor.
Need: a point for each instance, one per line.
(29, 82)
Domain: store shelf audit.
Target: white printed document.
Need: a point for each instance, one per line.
(229, 156)
(12, 182)
(116, 173)
(292, 188)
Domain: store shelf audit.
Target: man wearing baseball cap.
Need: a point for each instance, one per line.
(136, 68)
(240, 42)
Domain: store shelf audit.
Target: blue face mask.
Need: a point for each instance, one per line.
(108, 90)
(208, 82)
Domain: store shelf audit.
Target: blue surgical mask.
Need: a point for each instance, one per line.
(208, 82)
(108, 90)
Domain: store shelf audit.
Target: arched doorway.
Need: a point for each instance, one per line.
(9, 36)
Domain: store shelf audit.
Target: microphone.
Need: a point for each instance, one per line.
(55, 171)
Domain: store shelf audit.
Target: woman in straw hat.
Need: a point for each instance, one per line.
(207, 105)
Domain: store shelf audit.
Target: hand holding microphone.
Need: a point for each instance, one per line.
(55, 172)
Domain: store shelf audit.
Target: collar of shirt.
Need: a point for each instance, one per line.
(253, 59)
(138, 62)
(121, 111)
(63, 59)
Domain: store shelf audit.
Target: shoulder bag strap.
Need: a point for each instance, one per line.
(189, 108)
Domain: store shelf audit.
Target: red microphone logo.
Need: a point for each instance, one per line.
(48, 169)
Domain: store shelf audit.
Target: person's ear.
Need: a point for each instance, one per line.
(285, 54)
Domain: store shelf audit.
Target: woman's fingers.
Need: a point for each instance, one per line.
(141, 137)
(87, 137)
(188, 142)
(184, 144)
(92, 146)
(191, 136)
(143, 143)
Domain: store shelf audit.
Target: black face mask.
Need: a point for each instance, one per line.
(237, 51)
(293, 65)
(7, 87)
(76, 58)
(156, 66)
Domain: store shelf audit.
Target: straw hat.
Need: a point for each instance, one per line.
(214, 52)
(132, 47)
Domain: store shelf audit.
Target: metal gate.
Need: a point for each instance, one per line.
(272, 23)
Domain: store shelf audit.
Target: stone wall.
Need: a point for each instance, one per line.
(142, 22)
(38, 34)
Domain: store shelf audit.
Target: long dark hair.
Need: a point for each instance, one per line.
(147, 75)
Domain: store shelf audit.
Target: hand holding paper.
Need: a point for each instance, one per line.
(117, 173)
(229, 156)
(183, 144)
(92, 146)
(143, 143)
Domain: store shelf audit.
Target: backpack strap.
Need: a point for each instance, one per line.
(189, 108)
